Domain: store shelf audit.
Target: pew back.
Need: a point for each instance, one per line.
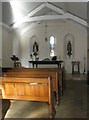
(26, 88)
(57, 73)
(38, 88)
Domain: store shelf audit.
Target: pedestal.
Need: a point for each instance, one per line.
(77, 65)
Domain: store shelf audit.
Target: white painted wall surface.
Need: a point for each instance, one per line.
(23, 44)
(16, 44)
(88, 48)
(58, 30)
(7, 48)
(0, 46)
(0, 35)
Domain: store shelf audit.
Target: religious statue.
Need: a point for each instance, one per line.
(69, 49)
(35, 49)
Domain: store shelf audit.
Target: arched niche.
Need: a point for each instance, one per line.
(69, 45)
(31, 42)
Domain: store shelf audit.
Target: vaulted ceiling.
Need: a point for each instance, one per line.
(31, 13)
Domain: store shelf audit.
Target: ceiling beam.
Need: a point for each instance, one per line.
(29, 27)
(77, 19)
(63, 15)
(18, 23)
(46, 17)
(36, 10)
(55, 17)
(28, 16)
(54, 8)
(72, 17)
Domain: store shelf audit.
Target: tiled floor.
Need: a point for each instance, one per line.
(73, 104)
(75, 76)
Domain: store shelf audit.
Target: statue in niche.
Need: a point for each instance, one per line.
(69, 48)
(35, 49)
(69, 45)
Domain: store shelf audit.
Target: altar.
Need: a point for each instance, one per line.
(35, 63)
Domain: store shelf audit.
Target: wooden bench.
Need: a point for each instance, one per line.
(55, 74)
(4, 106)
(60, 72)
(38, 88)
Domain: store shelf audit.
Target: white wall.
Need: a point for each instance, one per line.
(58, 30)
(0, 35)
(88, 48)
(23, 44)
(16, 42)
(7, 48)
(0, 46)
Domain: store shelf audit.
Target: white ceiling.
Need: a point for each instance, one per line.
(31, 12)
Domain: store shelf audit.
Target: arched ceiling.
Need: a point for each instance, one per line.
(35, 12)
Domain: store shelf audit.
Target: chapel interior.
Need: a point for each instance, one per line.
(45, 44)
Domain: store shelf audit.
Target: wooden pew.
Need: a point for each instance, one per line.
(4, 106)
(59, 71)
(53, 72)
(38, 88)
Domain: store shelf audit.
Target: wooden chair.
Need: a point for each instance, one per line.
(18, 64)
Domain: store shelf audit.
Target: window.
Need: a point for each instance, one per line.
(52, 46)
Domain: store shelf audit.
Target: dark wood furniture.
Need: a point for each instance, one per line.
(58, 63)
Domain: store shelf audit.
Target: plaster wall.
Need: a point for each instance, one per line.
(58, 30)
(21, 45)
(7, 48)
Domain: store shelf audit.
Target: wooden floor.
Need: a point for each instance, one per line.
(73, 104)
